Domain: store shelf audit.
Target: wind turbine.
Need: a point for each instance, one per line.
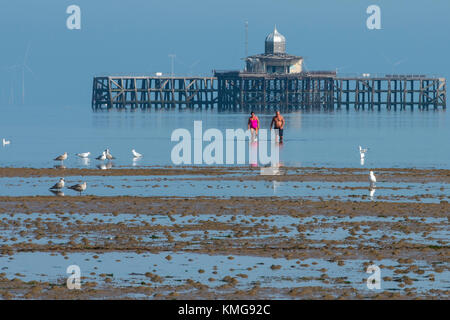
(172, 57)
(25, 66)
(11, 93)
(393, 64)
(22, 68)
(12, 82)
(189, 67)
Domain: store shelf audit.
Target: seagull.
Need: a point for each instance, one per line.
(372, 179)
(84, 154)
(102, 157)
(79, 187)
(136, 154)
(108, 155)
(5, 142)
(61, 157)
(59, 184)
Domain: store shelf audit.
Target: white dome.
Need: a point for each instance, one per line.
(275, 43)
(275, 36)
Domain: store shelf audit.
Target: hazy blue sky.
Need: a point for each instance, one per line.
(137, 36)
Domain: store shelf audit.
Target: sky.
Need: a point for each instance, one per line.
(136, 37)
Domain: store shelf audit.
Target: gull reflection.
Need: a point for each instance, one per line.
(371, 193)
(136, 161)
(85, 161)
(57, 193)
(275, 185)
(105, 166)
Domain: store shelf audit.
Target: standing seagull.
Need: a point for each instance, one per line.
(58, 185)
(136, 154)
(108, 155)
(61, 157)
(102, 157)
(84, 154)
(372, 179)
(5, 142)
(79, 187)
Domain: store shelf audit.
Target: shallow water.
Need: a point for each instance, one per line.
(395, 138)
(182, 186)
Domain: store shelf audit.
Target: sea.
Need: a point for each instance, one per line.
(395, 139)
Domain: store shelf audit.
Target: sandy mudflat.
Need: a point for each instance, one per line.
(237, 173)
(238, 247)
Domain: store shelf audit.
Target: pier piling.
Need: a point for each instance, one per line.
(237, 90)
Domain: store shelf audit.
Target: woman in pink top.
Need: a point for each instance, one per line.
(253, 125)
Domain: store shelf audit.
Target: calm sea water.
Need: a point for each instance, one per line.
(395, 138)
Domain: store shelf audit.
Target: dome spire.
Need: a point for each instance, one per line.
(275, 42)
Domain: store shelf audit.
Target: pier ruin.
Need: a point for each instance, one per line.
(272, 80)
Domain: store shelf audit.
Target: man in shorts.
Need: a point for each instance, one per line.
(278, 123)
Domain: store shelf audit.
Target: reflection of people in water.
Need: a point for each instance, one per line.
(253, 156)
(278, 122)
(253, 125)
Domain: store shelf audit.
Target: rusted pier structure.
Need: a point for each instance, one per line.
(260, 91)
(391, 92)
(242, 90)
(273, 79)
(324, 90)
(153, 91)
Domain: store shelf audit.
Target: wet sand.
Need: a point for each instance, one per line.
(237, 173)
(335, 240)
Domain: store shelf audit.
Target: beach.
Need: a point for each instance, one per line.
(307, 244)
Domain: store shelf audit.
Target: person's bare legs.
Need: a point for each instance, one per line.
(254, 134)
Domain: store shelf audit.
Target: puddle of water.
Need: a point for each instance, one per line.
(129, 269)
(183, 187)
